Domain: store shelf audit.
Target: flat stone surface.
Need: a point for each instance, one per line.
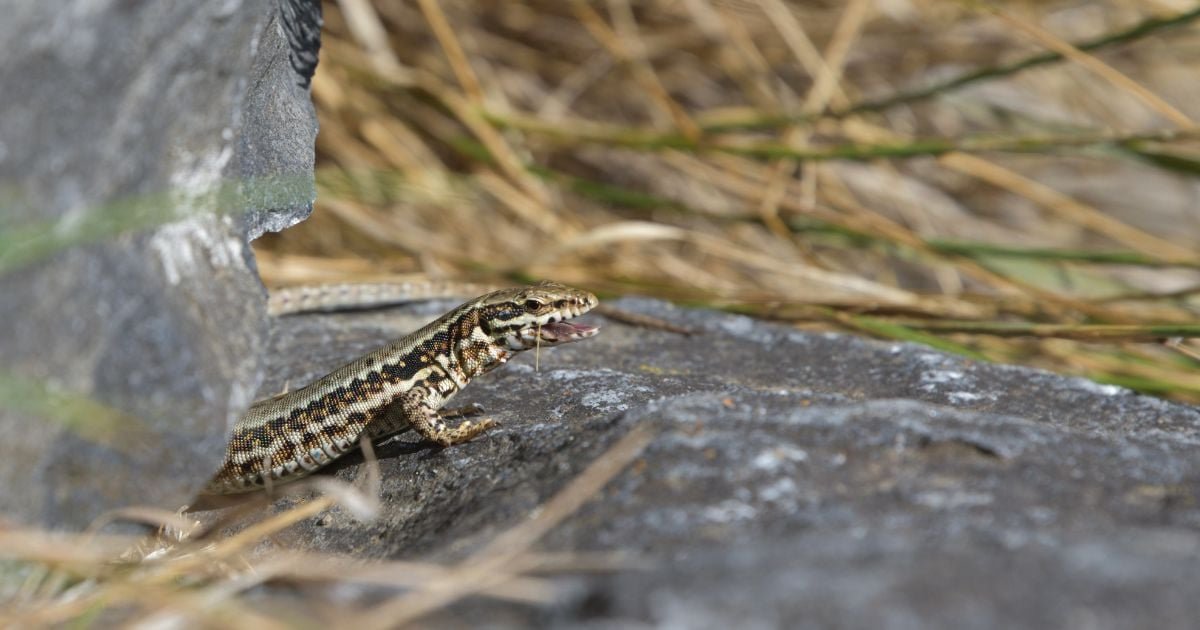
(141, 146)
(795, 480)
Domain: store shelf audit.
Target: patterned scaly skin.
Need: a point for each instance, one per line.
(289, 436)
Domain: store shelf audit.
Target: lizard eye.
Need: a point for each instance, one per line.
(532, 305)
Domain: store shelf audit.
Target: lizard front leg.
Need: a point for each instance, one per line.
(465, 411)
(420, 408)
(431, 425)
(399, 419)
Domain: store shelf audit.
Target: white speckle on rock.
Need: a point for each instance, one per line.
(1012, 539)
(611, 399)
(960, 398)
(950, 500)
(666, 519)
(805, 338)
(934, 359)
(227, 8)
(196, 179)
(568, 374)
(941, 376)
(773, 458)
(1099, 388)
(1040, 514)
(181, 245)
(738, 326)
(782, 489)
(729, 512)
(932, 379)
(175, 250)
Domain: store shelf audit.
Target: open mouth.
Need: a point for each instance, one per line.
(562, 332)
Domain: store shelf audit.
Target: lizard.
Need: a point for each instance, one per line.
(400, 386)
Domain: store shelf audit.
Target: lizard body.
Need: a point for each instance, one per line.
(401, 386)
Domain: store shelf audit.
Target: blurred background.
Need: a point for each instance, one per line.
(1014, 182)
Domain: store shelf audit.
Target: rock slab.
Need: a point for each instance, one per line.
(796, 480)
(141, 146)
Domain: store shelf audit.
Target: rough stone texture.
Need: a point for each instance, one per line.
(141, 145)
(797, 480)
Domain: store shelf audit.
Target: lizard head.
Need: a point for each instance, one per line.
(537, 316)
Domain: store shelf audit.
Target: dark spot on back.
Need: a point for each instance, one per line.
(276, 425)
(396, 372)
(257, 435)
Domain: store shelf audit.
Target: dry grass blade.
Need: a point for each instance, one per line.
(829, 72)
(1073, 210)
(458, 58)
(61, 548)
(490, 565)
(227, 547)
(495, 143)
(1086, 332)
(642, 320)
(299, 568)
(567, 501)
(628, 50)
(1110, 74)
(798, 42)
(826, 86)
(145, 514)
(365, 24)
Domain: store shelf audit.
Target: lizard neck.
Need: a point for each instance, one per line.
(474, 351)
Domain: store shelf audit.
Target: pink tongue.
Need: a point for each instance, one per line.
(560, 331)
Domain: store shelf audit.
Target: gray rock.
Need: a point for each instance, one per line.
(796, 480)
(141, 146)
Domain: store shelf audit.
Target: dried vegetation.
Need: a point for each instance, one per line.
(1012, 181)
